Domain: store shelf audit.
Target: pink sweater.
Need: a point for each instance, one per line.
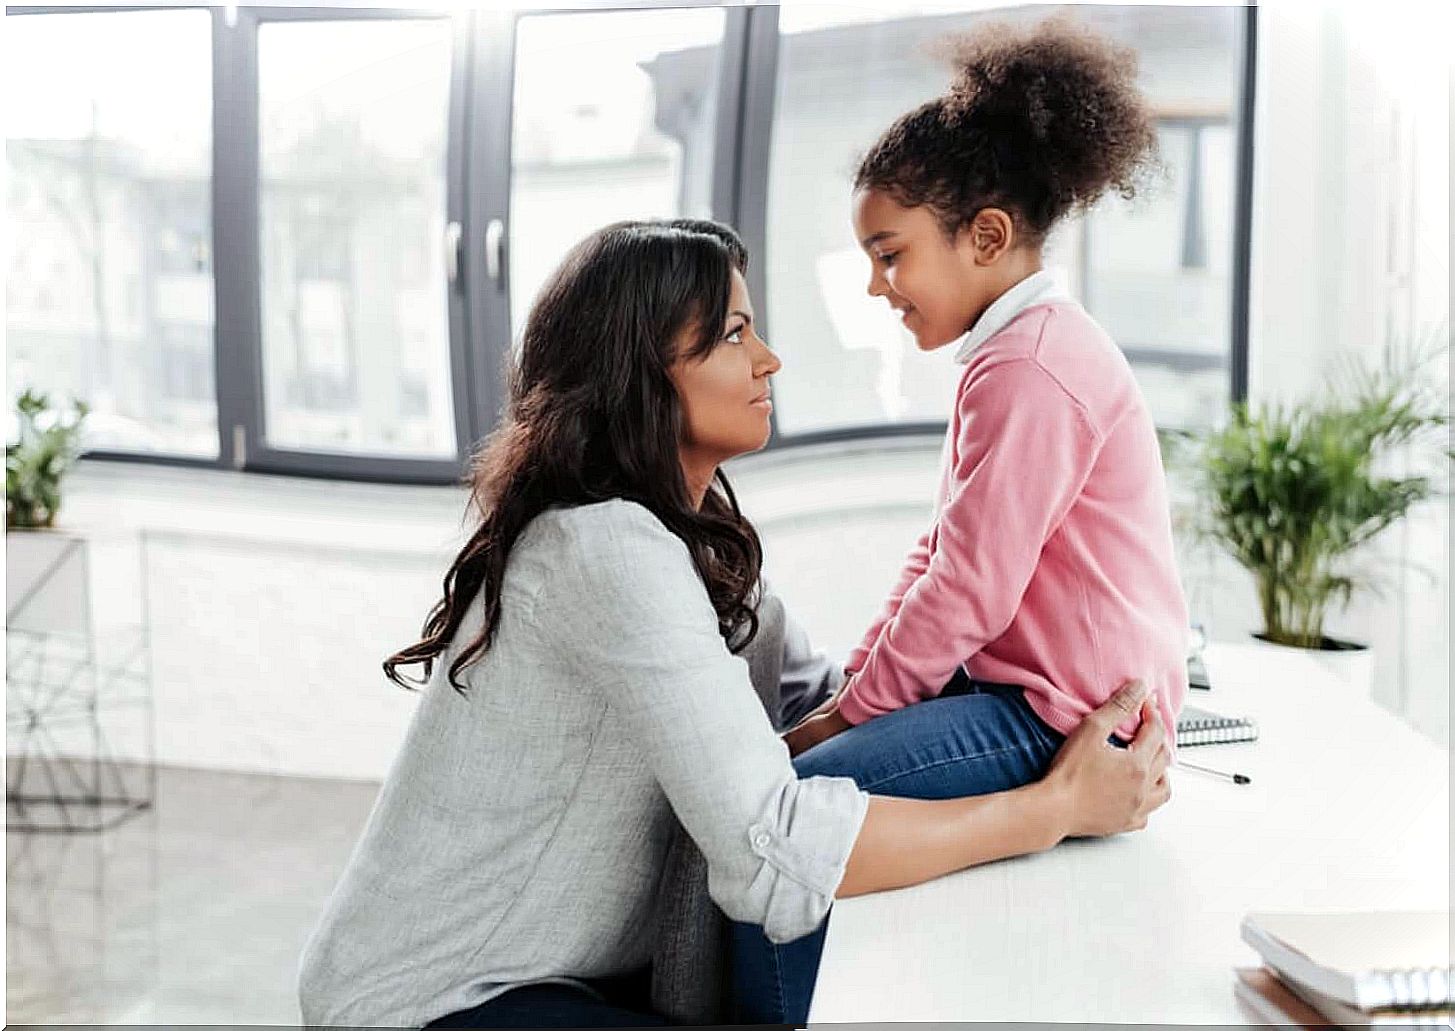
(1049, 561)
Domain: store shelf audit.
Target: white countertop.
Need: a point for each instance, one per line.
(1348, 808)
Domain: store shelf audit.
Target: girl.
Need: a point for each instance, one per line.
(1049, 562)
(582, 697)
(1047, 574)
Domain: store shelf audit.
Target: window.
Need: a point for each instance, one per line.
(109, 290)
(1157, 272)
(627, 134)
(393, 187)
(353, 120)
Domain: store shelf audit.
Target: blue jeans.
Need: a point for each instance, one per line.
(564, 1005)
(974, 739)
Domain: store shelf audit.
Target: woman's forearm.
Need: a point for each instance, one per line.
(906, 841)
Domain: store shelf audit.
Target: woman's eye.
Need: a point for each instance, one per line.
(886, 259)
(735, 337)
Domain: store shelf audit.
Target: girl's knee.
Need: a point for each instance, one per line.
(824, 760)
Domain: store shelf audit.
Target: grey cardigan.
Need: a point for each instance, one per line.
(523, 831)
(690, 965)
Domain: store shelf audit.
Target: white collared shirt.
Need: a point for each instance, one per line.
(1037, 288)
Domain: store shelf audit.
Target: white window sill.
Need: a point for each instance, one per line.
(104, 500)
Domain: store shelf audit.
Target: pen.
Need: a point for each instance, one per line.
(1236, 778)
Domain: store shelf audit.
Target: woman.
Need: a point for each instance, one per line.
(581, 692)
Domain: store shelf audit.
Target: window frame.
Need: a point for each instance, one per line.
(758, 108)
(156, 457)
(478, 185)
(492, 168)
(237, 225)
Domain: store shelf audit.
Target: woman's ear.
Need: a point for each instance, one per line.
(989, 235)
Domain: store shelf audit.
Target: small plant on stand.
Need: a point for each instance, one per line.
(47, 445)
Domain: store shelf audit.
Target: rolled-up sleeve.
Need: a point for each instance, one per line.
(645, 634)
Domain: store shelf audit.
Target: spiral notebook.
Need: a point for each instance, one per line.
(1370, 961)
(1200, 727)
(1288, 1004)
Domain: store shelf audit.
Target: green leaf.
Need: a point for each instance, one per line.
(1292, 492)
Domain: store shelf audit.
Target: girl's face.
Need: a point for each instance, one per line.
(725, 394)
(939, 286)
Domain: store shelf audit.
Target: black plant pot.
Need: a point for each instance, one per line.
(1346, 664)
(1326, 644)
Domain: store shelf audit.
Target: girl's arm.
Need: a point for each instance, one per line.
(1024, 450)
(640, 633)
(1090, 790)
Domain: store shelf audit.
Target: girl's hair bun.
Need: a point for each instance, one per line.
(1039, 120)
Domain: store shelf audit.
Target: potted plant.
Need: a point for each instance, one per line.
(48, 443)
(1293, 493)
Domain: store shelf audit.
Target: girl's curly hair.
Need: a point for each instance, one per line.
(1038, 122)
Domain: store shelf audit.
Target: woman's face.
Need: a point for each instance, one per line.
(938, 286)
(725, 394)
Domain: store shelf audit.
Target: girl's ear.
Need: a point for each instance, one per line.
(990, 234)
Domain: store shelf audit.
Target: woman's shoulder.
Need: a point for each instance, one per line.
(614, 564)
(601, 524)
(615, 543)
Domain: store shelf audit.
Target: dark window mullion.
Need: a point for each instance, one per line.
(1242, 264)
(487, 201)
(456, 217)
(236, 267)
(755, 138)
(728, 128)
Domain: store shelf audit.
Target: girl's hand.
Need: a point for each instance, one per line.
(1107, 790)
(818, 726)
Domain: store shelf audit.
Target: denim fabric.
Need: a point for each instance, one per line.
(974, 739)
(562, 1005)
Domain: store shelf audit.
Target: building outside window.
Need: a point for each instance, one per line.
(356, 342)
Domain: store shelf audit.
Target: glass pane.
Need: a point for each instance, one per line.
(353, 118)
(108, 153)
(627, 134)
(1155, 271)
(1158, 275)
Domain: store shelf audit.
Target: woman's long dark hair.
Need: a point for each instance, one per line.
(593, 415)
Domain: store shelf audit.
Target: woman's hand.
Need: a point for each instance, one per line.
(1107, 790)
(813, 728)
(819, 725)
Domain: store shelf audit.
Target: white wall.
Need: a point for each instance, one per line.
(1351, 254)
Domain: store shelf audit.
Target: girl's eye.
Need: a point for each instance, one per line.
(736, 336)
(886, 259)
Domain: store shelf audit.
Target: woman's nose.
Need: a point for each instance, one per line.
(877, 286)
(767, 362)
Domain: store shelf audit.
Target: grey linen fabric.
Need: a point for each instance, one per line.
(523, 831)
(690, 966)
